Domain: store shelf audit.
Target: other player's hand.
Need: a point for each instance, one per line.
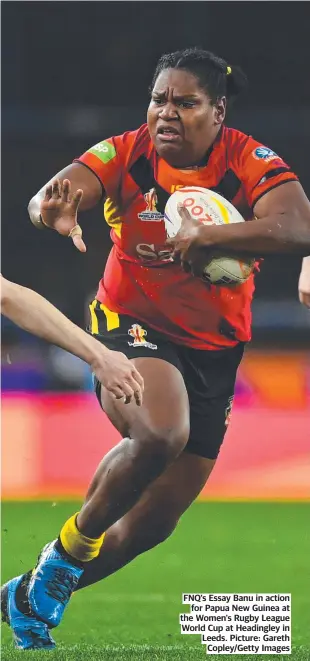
(186, 245)
(59, 211)
(304, 283)
(119, 376)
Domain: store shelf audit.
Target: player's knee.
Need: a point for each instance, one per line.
(159, 447)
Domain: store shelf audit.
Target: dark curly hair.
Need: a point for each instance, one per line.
(215, 76)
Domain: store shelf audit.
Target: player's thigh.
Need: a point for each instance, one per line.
(164, 414)
(210, 378)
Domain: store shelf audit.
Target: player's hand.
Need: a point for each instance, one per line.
(59, 210)
(304, 283)
(119, 376)
(187, 246)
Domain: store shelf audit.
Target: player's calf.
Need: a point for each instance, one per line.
(119, 482)
(124, 475)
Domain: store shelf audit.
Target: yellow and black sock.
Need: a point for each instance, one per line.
(77, 545)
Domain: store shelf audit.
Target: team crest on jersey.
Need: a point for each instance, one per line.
(151, 212)
(265, 154)
(139, 334)
(228, 411)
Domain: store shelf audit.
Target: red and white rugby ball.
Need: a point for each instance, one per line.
(209, 208)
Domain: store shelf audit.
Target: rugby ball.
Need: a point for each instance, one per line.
(209, 208)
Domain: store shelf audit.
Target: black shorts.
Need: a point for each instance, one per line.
(209, 376)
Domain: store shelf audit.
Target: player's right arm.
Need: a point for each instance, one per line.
(56, 204)
(81, 185)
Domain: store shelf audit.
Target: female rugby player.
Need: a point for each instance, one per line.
(185, 338)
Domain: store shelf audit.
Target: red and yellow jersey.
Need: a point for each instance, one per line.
(140, 279)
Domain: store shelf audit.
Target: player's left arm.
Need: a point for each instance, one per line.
(281, 210)
(281, 225)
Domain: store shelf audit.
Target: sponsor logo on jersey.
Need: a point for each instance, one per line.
(265, 154)
(105, 151)
(151, 212)
(139, 334)
(228, 411)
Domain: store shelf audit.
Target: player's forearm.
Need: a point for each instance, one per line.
(34, 209)
(277, 234)
(36, 315)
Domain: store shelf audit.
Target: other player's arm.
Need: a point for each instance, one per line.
(36, 315)
(304, 282)
(56, 204)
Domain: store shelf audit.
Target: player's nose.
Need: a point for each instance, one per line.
(168, 111)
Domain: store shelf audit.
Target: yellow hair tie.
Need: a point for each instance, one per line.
(228, 71)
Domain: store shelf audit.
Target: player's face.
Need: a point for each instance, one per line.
(182, 121)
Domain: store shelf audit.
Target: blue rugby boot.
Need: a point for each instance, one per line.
(29, 632)
(52, 582)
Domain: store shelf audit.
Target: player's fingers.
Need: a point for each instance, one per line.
(76, 235)
(175, 255)
(55, 189)
(136, 389)
(123, 391)
(187, 268)
(76, 199)
(48, 193)
(170, 242)
(127, 389)
(79, 243)
(65, 190)
(138, 378)
(116, 392)
(304, 298)
(138, 397)
(184, 213)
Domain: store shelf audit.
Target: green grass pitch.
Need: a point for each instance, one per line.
(133, 615)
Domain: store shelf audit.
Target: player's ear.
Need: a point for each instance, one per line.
(220, 110)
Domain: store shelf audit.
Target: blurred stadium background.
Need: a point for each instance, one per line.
(75, 73)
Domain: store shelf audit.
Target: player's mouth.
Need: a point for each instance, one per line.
(168, 133)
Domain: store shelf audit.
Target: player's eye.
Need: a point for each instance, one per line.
(158, 101)
(186, 104)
